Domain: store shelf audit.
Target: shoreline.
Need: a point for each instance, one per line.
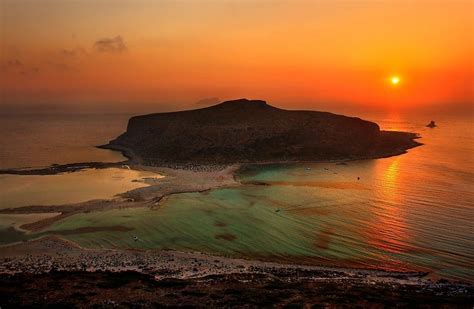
(178, 179)
(137, 162)
(55, 253)
(53, 259)
(174, 182)
(132, 158)
(199, 178)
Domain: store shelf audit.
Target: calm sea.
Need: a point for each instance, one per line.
(42, 139)
(410, 212)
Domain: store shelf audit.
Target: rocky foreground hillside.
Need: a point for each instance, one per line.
(253, 131)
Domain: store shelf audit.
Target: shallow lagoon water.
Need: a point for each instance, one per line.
(66, 188)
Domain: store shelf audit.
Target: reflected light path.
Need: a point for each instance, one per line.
(389, 229)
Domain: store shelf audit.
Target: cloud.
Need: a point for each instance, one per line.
(30, 71)
(60, 66)
(110, 45)
(15, 62)
(15, 66)
(71, 53)
(11, 64)
(68, 52)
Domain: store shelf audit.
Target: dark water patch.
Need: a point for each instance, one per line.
(256, 183)
(277, 202)
(309, 211)
(11, 235)
(90, 229)
(324, 238)
(59, 169)
(250, 170)
(226, 236)
(321, 184)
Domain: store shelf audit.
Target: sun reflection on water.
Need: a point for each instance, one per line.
(389, 229)
(390, 180)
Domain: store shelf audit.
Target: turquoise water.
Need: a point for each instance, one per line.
(409, 212)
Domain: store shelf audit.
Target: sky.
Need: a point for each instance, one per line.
(170, 55)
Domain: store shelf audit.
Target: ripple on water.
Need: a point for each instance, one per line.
(407, 212)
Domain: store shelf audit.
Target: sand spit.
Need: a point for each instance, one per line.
(175, 181)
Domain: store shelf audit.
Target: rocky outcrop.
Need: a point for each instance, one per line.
(252, 131)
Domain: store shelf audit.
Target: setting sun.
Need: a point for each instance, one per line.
(395, 80)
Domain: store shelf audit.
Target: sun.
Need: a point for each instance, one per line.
(395, 80)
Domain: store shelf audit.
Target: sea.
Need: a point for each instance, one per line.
(412, 212)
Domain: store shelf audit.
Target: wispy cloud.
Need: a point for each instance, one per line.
(67, 59)
(30, 71)
(71, 53)
(61, 66)
(110, 45)
(15, 66)
(11, 64)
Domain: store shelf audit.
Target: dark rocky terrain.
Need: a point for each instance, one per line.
(244, 130)
(136, 290)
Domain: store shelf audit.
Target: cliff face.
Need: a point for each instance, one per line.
(253, 131)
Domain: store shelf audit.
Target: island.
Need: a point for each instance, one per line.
(252, 131)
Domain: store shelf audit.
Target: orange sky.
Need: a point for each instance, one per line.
(295, 54)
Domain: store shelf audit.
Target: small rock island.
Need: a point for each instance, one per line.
(251, 131)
